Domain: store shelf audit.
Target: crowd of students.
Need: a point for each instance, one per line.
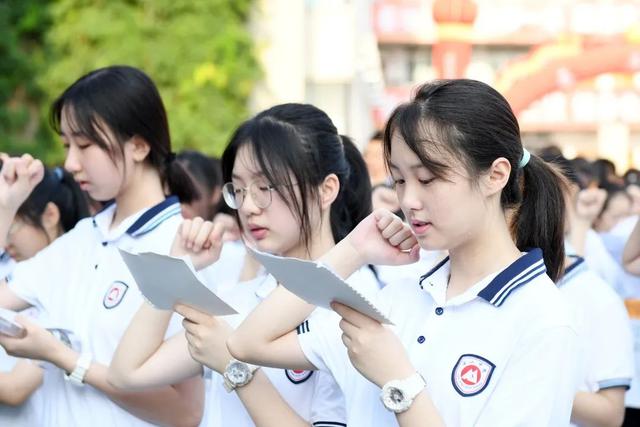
(508, 276)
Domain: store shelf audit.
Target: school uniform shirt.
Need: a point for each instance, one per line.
(396, 273)
(604, 329)
(83, 285)
(503, 353)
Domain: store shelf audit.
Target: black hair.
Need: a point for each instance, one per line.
(556, 158)
(474, 124)
(603, 169)
(58, 187)
(298, 143)
(377, 135)
(205, 170)
(126, 102)
(613, 190)
(632, 177)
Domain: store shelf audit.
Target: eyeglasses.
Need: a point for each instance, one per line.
(260, 194)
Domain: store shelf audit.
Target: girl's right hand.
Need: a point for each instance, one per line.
(18, 178)
(199, 239)
(382, 238)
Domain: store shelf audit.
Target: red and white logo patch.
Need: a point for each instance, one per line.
(114, 294)
(298, 376)
(471, 374)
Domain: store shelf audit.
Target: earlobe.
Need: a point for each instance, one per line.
(329, 190)
(498, 175)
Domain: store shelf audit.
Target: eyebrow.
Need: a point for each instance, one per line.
(412, 167)
(254, 175)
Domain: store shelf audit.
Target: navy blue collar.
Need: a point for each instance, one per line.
(520, 272)
(573, 269)
(152, 217)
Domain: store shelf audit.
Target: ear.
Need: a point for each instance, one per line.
(51, 221)
(329, 190)
(496, 178)
(140, 149)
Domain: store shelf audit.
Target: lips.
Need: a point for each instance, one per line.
(420, 227)
(258, 232)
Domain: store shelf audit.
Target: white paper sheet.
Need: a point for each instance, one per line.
(165, 281)
(8, 325)
(316, 284)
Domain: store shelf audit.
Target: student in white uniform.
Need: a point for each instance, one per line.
(483, 325)
(115, 132)
(54, 207)
(297, 187)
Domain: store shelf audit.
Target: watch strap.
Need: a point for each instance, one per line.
(82, 366)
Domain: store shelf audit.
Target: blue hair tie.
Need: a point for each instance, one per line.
(58, 173)
(526, 156)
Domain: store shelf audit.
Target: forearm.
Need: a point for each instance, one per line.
(259, 339)
(578, 235)
(6, 218)
(266, 406)
(139, 344)
(175, 405)
(422, 413)
(631, 253)
(598, 409)
(18, 384)
(343, 259)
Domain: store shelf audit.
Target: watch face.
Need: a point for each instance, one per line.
(394, 399)
(238, 373)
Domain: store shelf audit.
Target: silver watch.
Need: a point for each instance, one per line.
(237, 374)
(398, 395)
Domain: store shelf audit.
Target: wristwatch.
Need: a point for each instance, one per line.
(237, 374)
(398, 395)
(82, 366)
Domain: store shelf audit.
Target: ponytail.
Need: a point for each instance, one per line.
(539, 220)
(353, 203)
(178, 181)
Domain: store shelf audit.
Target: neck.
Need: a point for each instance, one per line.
(320, 244)
(490, 250)
(143, 190)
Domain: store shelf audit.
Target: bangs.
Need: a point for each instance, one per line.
(83, 121)
(433, 141)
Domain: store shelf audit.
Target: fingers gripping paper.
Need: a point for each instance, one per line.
(165, 281)
(316, 284)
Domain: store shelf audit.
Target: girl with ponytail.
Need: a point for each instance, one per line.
(297, 187)
(115, 132)
(484, 322)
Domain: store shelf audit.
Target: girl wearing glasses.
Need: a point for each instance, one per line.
(484, 323)
(297, 187)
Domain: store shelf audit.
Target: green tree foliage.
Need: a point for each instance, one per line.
(199, 53)
(23, 25)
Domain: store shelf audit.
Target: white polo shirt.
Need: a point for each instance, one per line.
(604, 328)
(501, 354)
(82, 284)
(314, 395)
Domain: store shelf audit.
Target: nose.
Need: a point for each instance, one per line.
(72, 162)
(409, 197)
(248, 206)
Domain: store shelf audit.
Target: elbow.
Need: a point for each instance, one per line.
(117, 379)
(241, 348)
(191, 420)
(15, 398)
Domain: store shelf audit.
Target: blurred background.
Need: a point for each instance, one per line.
(569, 68)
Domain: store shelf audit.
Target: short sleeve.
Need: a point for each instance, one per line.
(36, 279)
(328, 405)
(320, 339)
(610, 361)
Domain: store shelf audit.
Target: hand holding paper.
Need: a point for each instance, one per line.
(166, 281)
(316, 284)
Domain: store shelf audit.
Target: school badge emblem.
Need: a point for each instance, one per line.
(471, 374)
(114, 294)
(298, 376)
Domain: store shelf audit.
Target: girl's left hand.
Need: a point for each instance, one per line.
(37, 343)
(374, 349)
(207, 337)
